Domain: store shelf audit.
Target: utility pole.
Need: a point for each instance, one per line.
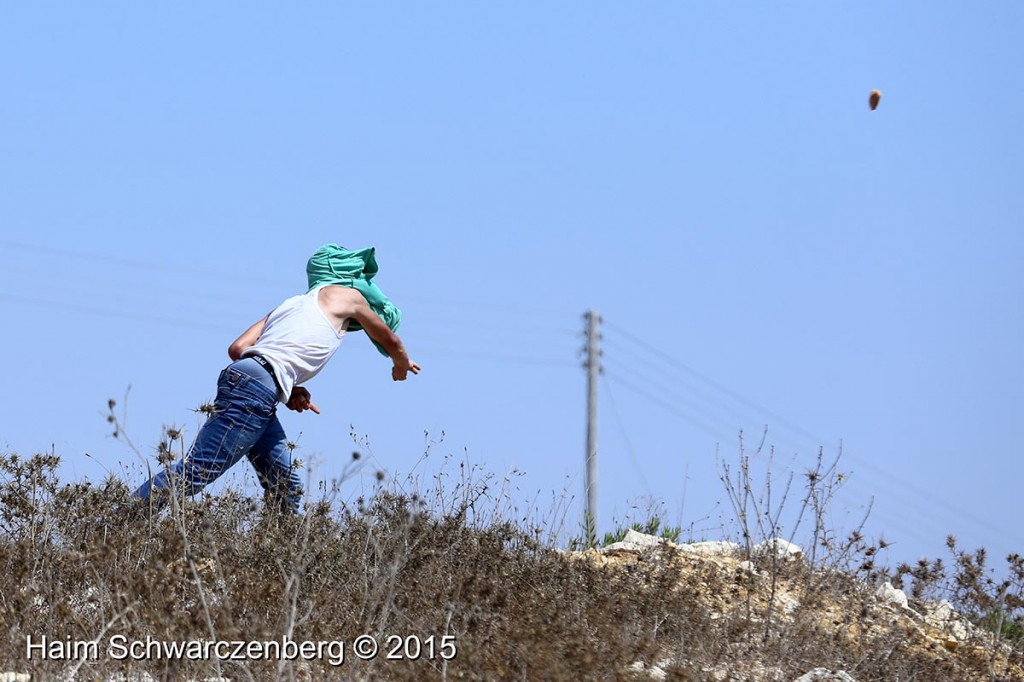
(593, 365)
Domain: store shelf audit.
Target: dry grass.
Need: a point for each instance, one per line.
(82, 562)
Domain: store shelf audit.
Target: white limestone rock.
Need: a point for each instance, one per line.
(779, 548)
(825, 675)
(131, 677)
(636, 542)
(651, 672)
(15, 677)
(747, 567)
(787, 603)
(711, 549)
(945, 617)
(887, 594)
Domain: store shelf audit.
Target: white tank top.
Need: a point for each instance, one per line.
(297, 340)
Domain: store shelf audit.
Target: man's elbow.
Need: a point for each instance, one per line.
(235, 351)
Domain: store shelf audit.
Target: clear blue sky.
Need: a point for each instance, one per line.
(764, 250)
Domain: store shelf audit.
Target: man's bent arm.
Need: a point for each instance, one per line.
(247, 339)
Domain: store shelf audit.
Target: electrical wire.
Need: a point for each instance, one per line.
(722, 420)
(726, 419)
(103, 312)
(938, 505)
(113, 260)
(493, 307)
(625, 438)
(778, 467)
(665, 405)
(852, 485)
(476, 307)
(426, 351)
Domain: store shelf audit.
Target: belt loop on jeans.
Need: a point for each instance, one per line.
(265, 364)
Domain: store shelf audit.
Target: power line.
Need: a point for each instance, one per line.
(179, 322)
(477, 308)
(943, 506)
(676, 397)
(115, 260)
(855, 482)
(625, 438)
(104, 311)
(424, 351)
(676, 364)
(493, 307)
(674, 394)
(896, 523)
(665, 405)
(92, 310)
(147, 287)
(118, 305)
(431, 320)
(723, 425)
(683, 393)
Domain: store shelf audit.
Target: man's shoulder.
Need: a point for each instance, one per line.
(339, 299)
(341, 291)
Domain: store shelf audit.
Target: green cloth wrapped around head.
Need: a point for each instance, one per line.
(334, 264)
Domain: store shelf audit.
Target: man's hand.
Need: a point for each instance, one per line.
(299, 401)
(400, 371)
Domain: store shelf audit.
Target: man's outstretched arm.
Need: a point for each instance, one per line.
(377, 330)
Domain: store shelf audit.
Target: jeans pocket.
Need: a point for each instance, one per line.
(259, 408)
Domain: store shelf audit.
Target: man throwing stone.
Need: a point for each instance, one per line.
(272, 360)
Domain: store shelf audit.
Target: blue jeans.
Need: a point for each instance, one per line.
(244, 422)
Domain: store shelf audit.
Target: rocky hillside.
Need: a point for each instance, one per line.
(446, 585)
(775, 597)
